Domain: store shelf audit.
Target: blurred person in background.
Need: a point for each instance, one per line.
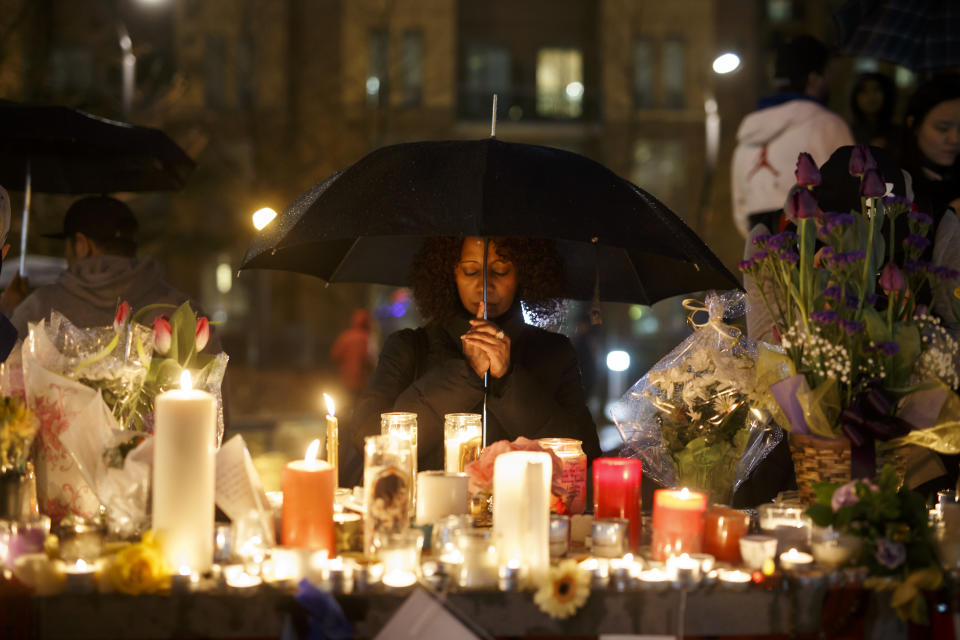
(8, 333)
(872, 101)
(790, 121)
(352, 354)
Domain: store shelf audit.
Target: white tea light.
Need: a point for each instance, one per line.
(794, 560)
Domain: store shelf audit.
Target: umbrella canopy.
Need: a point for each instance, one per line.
(69, 151)
(918, 34)
(365, 223)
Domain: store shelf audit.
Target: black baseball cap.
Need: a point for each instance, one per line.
(99, 218)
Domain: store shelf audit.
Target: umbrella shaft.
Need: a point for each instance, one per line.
(25, 223)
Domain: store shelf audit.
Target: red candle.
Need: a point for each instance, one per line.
(722, 529)
(616, 492)
(307, 516)
(677, 522)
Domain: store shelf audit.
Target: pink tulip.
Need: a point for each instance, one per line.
(123, 315)
(807, 173)
(891, 279)
(861, 160)
(872, 184)
(203, 332)
(801, 204)
(162, 334)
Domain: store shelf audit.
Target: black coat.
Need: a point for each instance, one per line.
(540, 396)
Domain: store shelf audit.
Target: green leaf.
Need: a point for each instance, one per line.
(908, 337)
(824, 491)
(876, 327)
(821, 514)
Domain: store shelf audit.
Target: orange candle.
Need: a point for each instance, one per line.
(722, 529)
(677, 522)
(307, 516)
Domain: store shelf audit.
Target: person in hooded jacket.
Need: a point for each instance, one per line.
(351, 352)
(102, 270)
(784, 124)
(534, 377)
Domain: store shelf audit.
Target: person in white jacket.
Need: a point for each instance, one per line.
(784, 124)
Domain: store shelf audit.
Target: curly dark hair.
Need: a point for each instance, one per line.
(540, 276)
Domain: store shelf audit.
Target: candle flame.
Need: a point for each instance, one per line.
(684, 494)
(312, 450)
(184, 570)
(186, 382)
(792, 553)
(331, 409)
(81, 565)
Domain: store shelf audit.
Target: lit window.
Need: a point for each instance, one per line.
(412, 63)
(376, 84)
(560, 83)
(779, 10)
(643, 73)
(486, 72)
(659, 167)
(674, 73)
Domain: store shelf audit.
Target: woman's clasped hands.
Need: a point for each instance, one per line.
(486, 347)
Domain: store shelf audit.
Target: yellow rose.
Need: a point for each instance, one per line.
(140, 568)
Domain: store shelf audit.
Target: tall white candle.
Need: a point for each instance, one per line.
(333, 440)
(521, 511)
(183, 475)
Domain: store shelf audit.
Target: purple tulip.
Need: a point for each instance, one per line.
(801, 204)
(890, 554)
(891, 279)
(861, 160)
(807, 173)
(872, 184)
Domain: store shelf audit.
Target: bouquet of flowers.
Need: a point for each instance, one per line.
(18, 426)
(696, 419)
(896, 541)
(480, 471)
(861, 359)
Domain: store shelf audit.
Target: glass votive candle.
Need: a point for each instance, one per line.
(5, 527)
(599, 571)
(80, 577)
(400, 554)
(348, 531)
(27, 537)
(788, 524)
(222, 542)
(478, 558)
(338, 575)
(755, 550)
(832, 549)
(677, 522)
(442, 541)
(794, 560)
(439, 494)
(573, 470)
(722, 529)
(403, 425)
(462, 440)
(608, 535)
(684, 569)
(734, 579)
(559, 534)
(183, 581)
(654, 578)
(237, 580)
(508, 576)
(705, 560)
(287, 564)
(387, 488)
(621, 572)
(80, 539)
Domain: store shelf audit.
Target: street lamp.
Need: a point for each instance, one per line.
(726, 63)
(263, 217)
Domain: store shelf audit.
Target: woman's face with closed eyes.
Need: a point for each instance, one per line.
(501, 278)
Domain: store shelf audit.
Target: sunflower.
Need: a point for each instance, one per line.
(566, 590)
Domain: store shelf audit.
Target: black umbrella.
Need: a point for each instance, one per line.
(365, 223)
(918, 34)
(55, 149)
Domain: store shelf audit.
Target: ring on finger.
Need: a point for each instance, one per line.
(499, 335)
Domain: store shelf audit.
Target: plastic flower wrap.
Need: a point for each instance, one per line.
(697, 418)
(897, 543)
(480, 471)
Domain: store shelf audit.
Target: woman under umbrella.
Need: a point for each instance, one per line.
(534, 388)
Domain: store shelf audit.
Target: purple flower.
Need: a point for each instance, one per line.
(761, 239)
(854, 256)
(916, 241)
(853, 301)
(745, 265)
(897, 201)
(832, 292)
(759, 255)
(890, 277)
(919, 217)
(870, 300)
(890, 554)
(860, 160)
(824, 317)
(781, 240)
(845, 496)
(921, 310)
(834, 220)
(912, 266)
(788, 255)
(807, 173)
(887, 348)
(943, 273)
(852, 327)
(872, 184)
(801, 204)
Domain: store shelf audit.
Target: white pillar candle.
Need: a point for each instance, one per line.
(521, 511)
(440, 494)
(183, 475)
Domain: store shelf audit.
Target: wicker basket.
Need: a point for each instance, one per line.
(828, 460)
(818, 460)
